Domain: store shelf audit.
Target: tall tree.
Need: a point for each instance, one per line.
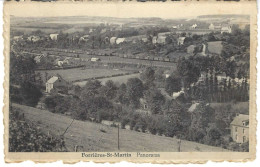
(148, 76)
(155, 100)
(173, 84)
(91, 89)
(134, 91)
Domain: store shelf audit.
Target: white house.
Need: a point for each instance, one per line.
(84, 38)
(18, 38)
(95, 59)
(226, 29)
(113, 40)
(60, 63)
(33, 38)
(144, 39)
(54, 36)
(177, 94)
(239, 128)
(214, 27)
(175, 27)
(55, 82)
(180, 40)
(194, 26)
(154, 40)
(120, 40)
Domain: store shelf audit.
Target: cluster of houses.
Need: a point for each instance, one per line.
(59, 61)
(225, 28)
(239, 127)
(35, 38)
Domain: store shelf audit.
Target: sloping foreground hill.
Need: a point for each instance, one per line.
(98, 137)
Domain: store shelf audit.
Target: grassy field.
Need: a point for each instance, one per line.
(90, 136)
(78, 73)
(30, 30)
(240, 107)
(215, 47)
(118, 80)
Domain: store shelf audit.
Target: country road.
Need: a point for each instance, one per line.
(90, 136)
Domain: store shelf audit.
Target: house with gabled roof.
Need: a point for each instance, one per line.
(120, 40)
(226, 29)
(54, 37)
(55, 83)
(113, 40)
(239, 128)
(181, 40)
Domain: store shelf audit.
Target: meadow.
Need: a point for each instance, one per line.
(79, 74)
(117, 80)
(96, 137)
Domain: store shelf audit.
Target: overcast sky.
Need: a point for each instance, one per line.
(126, 10)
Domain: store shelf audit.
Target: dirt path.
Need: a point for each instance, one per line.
(89, 135)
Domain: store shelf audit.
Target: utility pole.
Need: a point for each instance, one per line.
(179, 145)
(118, 138)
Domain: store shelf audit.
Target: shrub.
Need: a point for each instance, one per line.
(25, 137)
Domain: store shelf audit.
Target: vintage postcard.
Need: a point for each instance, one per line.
(169, 82)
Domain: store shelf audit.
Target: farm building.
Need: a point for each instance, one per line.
(60, 63)
(55, 83)
(175, 95)
(33, 38)
(194, 26)
(95, 59)
(120, 40)
(226, 29)
(154, 40)
(54, 36)
(144, 39)
(239, 128)
(175, 27)
(113, 40)
(18, 38)
(180, 40)
(214, 27)
(84, 38)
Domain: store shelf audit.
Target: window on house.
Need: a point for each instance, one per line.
(236, 138)
(235, 129)
(243, 130)
(244, 139)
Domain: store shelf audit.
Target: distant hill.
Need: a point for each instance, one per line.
(224, 16)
